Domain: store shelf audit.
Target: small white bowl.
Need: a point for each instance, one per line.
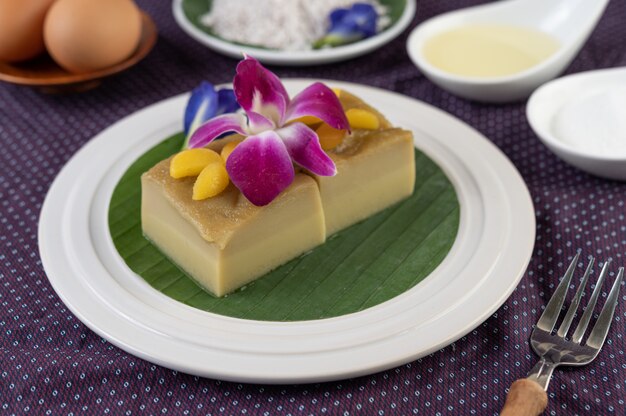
(548, 102)
(568, 21)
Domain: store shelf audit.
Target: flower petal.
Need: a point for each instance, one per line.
(360, 20)
(258, 123)
(226, 101)
(202, 105)
(319, 101)
(337, 16)
(260, 90)
(210, 130)
(304, 148)
(349, 25)
(260, 167)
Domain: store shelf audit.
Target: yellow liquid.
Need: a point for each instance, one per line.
(489, 50)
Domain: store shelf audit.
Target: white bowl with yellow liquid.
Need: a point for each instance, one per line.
(501, 52)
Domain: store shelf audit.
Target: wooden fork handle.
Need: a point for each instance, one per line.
(525, 398)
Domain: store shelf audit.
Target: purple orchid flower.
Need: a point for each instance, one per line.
(205, 103)
(349, 25)
(262, 165)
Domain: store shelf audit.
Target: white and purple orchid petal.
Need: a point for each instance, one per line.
(260, 167)
(258, 123)
(260, 90)
(213, 128)
(304, 148)
(202, 105)
(319, 101)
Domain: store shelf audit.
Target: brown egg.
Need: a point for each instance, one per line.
(88, 35)
(21, 28)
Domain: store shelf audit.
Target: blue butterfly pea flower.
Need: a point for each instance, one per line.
(349, 25)
(205, 103)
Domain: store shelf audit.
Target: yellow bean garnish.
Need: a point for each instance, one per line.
(362, 119)
(212, 180)
(308, 120)
(190, 162)
(329, 137)
(337, 92)
(228, 149)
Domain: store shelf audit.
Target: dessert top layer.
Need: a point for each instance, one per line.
(364, 141)
(218, 217)
(349, 101)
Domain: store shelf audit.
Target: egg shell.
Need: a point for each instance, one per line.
(88, 35)
(21, 29)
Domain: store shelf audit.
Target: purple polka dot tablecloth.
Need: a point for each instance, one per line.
(52, 364)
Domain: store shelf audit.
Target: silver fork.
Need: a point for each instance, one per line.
(528, 396)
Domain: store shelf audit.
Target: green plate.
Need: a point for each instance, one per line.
(195, 9)
(357, 268)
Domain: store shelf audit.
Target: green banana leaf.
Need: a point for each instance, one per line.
(362, 266)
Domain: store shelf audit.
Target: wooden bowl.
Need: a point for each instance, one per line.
(46, 75)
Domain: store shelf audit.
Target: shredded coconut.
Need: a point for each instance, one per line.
(278, 24)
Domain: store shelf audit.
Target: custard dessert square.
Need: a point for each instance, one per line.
(375, 169)
(225, 242)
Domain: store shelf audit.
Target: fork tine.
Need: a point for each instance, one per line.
(551, 313)
(601, 328)
(584, 321)
(567, 321)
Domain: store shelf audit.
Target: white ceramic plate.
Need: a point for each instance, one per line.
(494, 243)
(295, 58)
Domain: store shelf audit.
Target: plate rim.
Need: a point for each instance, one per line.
(296, 58)
(307, 372)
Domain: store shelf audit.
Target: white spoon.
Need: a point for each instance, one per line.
(568, 21)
